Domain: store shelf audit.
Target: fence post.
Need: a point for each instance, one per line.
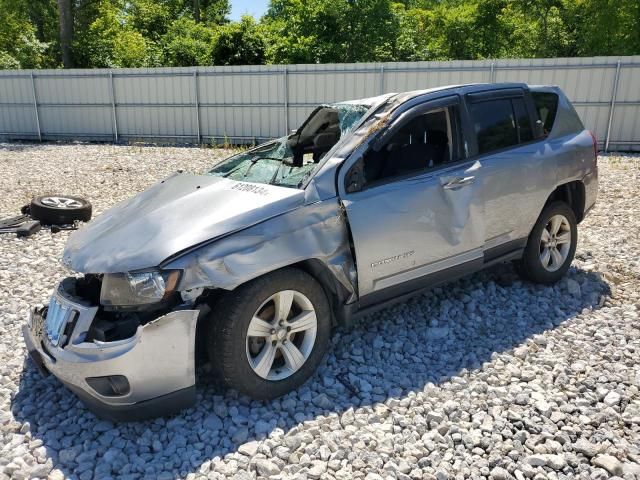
(612, 107)
(35, 106)
(285, 77)
(197, 102)
(492, 78)
(381, 79)
(113, 107)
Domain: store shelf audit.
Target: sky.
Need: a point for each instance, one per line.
(253, 7)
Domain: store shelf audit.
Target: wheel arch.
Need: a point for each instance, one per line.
(337, 295)
(573, 194)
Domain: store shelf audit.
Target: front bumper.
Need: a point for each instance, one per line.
(154, 369)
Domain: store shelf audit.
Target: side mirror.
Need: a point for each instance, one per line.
(355, 180)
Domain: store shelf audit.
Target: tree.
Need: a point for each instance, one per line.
(491, 32)
(43, 16)
(149, 17)
(211, 12)
(321, 31)
(546, 15)
(66, 32)
(216, 12)
(187, 43)
(605, 27)
(19, 44)
(196, 10)
(413, 42)
(239, 43)
(455, 31)
(111, 41)
(118, 33)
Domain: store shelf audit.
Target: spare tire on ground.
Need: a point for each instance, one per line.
(59, 209)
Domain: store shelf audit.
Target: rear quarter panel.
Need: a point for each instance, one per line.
(577, 158)
(569, 152)
(576, 161)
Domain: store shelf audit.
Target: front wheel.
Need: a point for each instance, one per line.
(551, 245)
(270, 334)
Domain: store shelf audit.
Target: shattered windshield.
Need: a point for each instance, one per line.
(289, 160)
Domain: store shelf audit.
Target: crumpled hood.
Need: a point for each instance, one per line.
(173, 215)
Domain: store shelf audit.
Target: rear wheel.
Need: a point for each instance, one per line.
(270, 334)
(551, 245)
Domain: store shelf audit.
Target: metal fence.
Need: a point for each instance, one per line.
(252, 103)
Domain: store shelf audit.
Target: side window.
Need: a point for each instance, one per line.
(495, 125)
(501, 123)
(547, 106)
(523, 120)
(425, 142)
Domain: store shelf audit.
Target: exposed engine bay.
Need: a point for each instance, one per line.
(111, 323)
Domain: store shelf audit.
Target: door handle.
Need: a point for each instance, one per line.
(458, 182)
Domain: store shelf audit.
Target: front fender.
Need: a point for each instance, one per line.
(315, 231)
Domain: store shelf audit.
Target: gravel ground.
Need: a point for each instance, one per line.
(488, 377)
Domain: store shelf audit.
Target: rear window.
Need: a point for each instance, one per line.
(547, 107)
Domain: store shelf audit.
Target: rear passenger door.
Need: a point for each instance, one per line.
(505, 137)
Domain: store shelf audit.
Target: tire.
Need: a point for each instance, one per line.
(231, 350)
(60, 209)
(532, 265)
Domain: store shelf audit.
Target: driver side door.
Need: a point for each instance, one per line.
(413, 203)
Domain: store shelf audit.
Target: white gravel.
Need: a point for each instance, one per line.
(488, 377)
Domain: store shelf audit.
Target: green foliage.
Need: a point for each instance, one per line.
(138, 33)
(606, 27)
(414, 37)
(188, 43)
(8, 62)
(111, 41)
(151, 18)
(215, 12)
(323, 31)
(19, 44)
(453, 31)
(239, 43)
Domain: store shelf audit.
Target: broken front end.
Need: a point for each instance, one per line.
(123, 343)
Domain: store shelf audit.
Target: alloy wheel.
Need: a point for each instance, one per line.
(281, 335)
(60, 202)
(555, 243)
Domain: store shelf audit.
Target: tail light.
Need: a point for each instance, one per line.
(595, 147)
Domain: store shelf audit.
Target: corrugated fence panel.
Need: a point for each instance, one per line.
(73, 105)
(626, 119)
(402, 77)
(17, 111)
(252, 103)
(155, 104)
(311, 85)
(241, 104)
(589, 86)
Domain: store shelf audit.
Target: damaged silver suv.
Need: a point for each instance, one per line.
(368, 202)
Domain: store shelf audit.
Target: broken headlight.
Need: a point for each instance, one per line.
(136, 289)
